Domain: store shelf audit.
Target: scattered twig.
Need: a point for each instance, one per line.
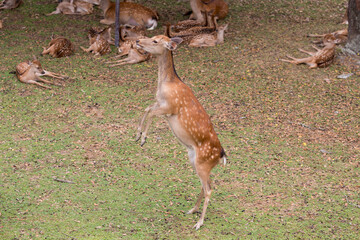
(348, 202)
(63, 180)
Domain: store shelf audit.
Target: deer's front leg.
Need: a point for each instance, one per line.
(142, 120)
(55, 75)
(155, 110)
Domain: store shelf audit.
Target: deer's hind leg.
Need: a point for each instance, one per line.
(307, 52)
(36, 83)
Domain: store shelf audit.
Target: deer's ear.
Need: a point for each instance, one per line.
(174, 42)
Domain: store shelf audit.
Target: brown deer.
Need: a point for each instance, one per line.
(133, 33)
(59, 47)
(31, 71)
(220, 8)
(73, 7)
(188, 34)
(133, 56)
(185, 115)
(10, 4)
(322, 58)
(99, 45)
(209, 40)
(338, 37)
(130, 13)
(189, 23)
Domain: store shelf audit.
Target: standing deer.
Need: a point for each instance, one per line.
(130, 13)
(186, 116)
(31, 72)
(219, 7)
(59, 47)
(322, 58)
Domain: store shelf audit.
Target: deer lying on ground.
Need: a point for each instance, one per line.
(73, 7)
(99, 45)
(338, 37)
(10, 4)
(189, 34)
(209, 40)
(186, 24)
(133, 56)
(133, 33)
(322, 58)
(130, 13)
(31, 71)
(59, 47)
(185, 115)
(219, 7)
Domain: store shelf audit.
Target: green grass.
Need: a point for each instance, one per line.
(291, 133)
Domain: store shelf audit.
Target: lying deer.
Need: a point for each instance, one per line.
(219, 7)
(209, 40)
(99, 45)
(73, 7)
(133, 56)
(338, 37)
(31, 71)
(130, 13)
(59, 47)
(185, 115)
(189, 34)
(322, 58)
(10, 4)
(186, 24)
(133, 33)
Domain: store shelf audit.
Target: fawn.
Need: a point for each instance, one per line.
(219, 7)
(31, 71)
(185, 115)
(130, 13)
(59, 47)
(99, 44)
(188, 34)
(10, 4)
(73, 8)
(134, 56)
(322, 58)
(209, 40)
(338, 37)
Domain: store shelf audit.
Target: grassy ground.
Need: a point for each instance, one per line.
(291, 133)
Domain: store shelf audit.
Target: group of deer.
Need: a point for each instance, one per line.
(325, 56)
(174, 99)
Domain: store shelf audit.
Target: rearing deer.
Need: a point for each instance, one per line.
(185, 115)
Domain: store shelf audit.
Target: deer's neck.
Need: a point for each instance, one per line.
(166, 71)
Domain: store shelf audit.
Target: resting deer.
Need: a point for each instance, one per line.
(186, 24)
(185, 115)
(10, 4)
(31, 71)
(209, 40)
(219, 7)
(99, 44)
(133, 33)
(322, 58)
(338, 37)
(73, 7)
(130, 13)
(59, 47)
(189, 34)
(133, 56)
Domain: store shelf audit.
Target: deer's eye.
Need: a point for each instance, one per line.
(155, 41)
